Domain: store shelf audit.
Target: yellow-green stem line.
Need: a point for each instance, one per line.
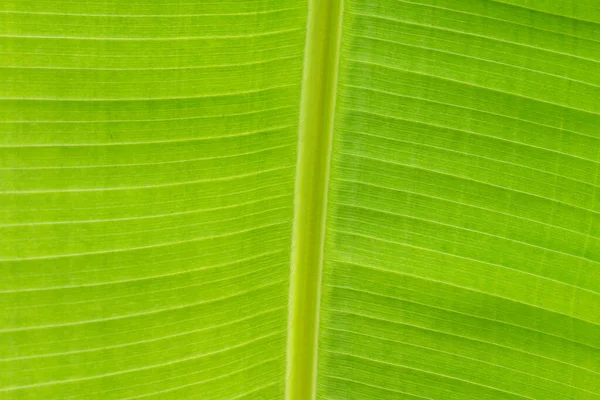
(312, 177)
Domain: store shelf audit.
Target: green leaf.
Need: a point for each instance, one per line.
(265, 199)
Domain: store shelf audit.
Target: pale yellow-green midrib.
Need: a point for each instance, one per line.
(312, 176)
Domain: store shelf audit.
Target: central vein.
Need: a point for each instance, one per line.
(312, 178)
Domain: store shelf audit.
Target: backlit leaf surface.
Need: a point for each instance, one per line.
(152, 161)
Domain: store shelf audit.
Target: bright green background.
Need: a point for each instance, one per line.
(147, 166)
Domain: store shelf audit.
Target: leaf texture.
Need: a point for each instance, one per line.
(462, 257)
(150, 154)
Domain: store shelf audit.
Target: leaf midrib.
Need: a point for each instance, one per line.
(317, 106)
